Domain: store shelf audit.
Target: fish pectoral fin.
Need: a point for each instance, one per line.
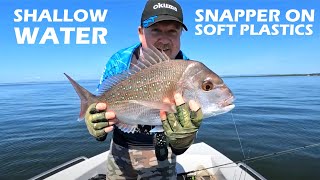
(127, 128)
(157, 129)
(167, 107)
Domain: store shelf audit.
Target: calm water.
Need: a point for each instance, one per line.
(39, 131)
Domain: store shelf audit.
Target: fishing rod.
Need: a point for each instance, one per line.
(279, 153)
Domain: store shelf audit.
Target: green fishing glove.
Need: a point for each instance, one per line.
(181, 127)
(96, 122)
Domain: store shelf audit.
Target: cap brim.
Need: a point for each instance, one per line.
(167, 18)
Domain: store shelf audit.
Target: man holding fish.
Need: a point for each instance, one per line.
(141, 98)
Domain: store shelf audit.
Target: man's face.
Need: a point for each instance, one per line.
(164, 35)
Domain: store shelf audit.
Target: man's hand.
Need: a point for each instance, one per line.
(99, 121)
(181, 127)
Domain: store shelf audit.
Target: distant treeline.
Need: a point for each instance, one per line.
(272, 75)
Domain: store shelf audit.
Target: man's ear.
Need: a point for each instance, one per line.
(140, 32)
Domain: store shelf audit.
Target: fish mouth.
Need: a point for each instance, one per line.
(227, 105)
(219, 110)
(227, 102)
(228, 108)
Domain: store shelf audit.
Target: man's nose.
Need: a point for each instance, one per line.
(164, 39)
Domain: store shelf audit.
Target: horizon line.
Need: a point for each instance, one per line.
(222, 76)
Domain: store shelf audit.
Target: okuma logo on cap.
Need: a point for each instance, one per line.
(164, 5)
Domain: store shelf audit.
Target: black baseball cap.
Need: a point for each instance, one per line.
(161, 10)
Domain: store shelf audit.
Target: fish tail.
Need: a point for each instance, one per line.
(86, 97)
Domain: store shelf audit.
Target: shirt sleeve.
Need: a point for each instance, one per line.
(114, 66)
(118, 63)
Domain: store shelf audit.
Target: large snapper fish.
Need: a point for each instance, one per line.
(136, 95)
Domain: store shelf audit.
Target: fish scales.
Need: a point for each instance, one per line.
(147, 82)
(153, 84)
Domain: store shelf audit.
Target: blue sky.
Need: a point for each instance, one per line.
(226, 55)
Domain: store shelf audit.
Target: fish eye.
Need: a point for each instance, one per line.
(207, 86)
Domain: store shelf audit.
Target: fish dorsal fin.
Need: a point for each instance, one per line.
(148, 57)
(113, 80)
(155, 53)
